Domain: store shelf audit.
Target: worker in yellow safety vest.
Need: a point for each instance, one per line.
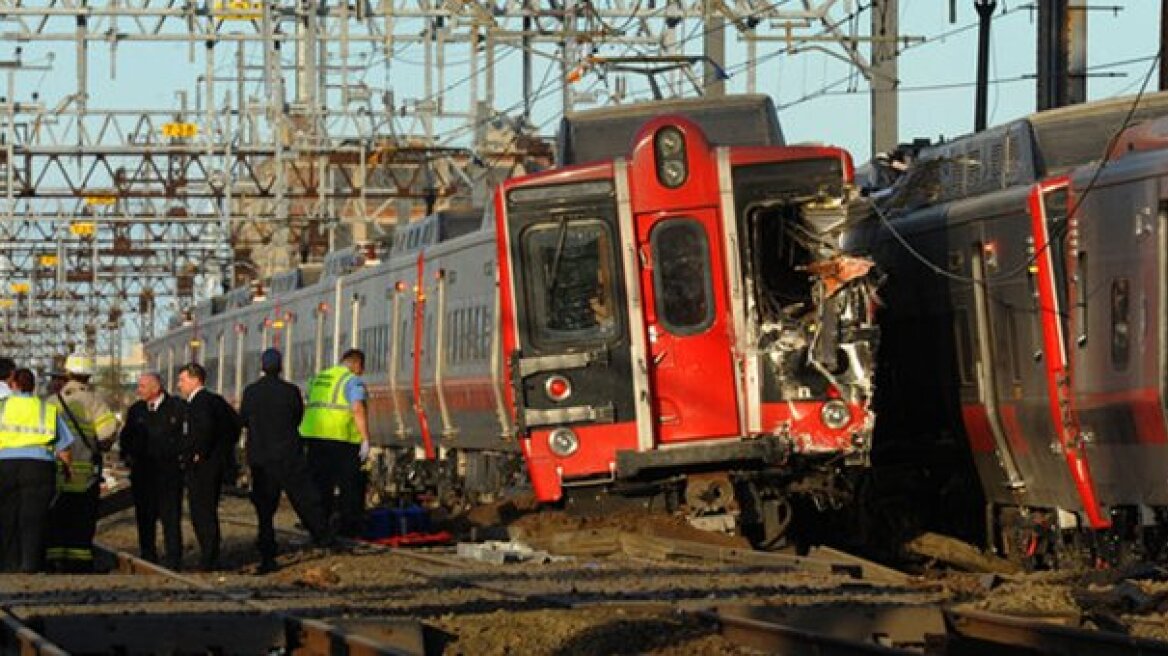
(32, 437)
(335, 430)
(73, 520)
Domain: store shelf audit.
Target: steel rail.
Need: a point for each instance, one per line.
(777, 638)
(1004, 634)
(305, 637)
(17, 638)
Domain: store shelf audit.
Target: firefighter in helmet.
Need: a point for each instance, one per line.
(74, 516)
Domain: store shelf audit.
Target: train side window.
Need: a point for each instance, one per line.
(485, 327)
(682, 283)
(964, 346)
(405, 347)
(1013, 348)
(1120, 323)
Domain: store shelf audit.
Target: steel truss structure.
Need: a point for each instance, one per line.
(113, 216)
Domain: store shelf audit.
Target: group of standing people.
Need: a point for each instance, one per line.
(306, 451)
(175, 445)
(51, 460)
(50, 467)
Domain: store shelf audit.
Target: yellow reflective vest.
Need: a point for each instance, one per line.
(26, 421)
(328, 414)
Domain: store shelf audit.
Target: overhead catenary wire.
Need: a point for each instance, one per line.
(1060, 232)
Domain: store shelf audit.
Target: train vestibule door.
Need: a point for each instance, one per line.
(691, 371)
(1054, 229)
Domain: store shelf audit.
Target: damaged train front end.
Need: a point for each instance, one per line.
(807, 338)
(681, 322)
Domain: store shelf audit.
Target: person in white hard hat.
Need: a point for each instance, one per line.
(74, 517)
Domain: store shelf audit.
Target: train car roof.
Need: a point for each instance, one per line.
(607, 132)
(1072, 136)
(436, 228)
(1019, 152)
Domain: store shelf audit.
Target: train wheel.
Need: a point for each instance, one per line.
(1030, 539)
(766, 516)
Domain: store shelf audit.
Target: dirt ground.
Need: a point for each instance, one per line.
(365, 582)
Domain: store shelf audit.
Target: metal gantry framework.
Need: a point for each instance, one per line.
(299, 117)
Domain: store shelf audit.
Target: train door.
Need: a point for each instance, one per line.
(1057, 282)
(690, 368)
(419, 354)
(987, 416)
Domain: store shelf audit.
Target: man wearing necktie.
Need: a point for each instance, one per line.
(152, 445)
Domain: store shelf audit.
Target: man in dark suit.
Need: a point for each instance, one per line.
(271, 410)
(214, 430)
(152, 443)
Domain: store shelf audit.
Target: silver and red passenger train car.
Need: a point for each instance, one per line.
(672, 321)
(1024, 335)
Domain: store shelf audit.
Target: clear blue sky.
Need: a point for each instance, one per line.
(843, 119)
(936, 76)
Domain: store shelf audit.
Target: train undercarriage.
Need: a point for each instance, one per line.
(1049, 538)
(773, 507)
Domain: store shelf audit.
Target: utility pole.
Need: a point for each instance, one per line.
(1163, 45)
(883, 76)
(985, 13)
(1062, 54)
(714, 45)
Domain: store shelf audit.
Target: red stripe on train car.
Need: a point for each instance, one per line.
(977, 427)
(1145, 405)
(1013, 428)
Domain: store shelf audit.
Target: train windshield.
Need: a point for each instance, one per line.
(570, 281)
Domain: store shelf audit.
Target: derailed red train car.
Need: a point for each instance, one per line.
(681, 322)
(1024, 333)
(661, 317)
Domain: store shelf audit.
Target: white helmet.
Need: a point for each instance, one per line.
(80, 364)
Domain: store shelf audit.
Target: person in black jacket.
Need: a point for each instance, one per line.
(152, 444)
(271, 411)
(214, 430)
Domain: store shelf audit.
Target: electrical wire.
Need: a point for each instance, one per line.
(1060, 232)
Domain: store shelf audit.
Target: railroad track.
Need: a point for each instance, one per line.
(444, 567)
(916, 630)
(145, 608)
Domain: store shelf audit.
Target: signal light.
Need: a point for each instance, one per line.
(557, 388)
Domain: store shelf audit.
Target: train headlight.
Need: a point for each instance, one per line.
(563, 442)
(670, 143)
(672, 173)
(669, 146)
(835, 414)
(557, 388)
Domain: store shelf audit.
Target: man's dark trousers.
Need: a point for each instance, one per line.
(144, 489)
(27, 487)
(204, 485)
(290, 475)
(336, 465)
(72, 525)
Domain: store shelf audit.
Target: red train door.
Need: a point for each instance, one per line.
(1054, 230)
(691, 373)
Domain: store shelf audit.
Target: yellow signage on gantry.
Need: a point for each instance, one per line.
(83, 228)
(179, 130)
(239, 10)
(20, 287)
